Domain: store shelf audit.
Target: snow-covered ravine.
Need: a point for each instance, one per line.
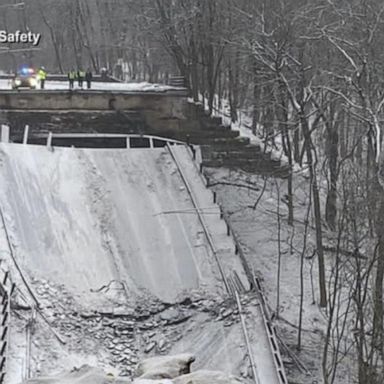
(258, 232)
(113, 251)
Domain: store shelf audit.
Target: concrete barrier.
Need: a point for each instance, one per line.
(61, 77)
(169, 103)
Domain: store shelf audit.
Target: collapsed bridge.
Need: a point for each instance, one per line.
(80, 219)
(117, 248)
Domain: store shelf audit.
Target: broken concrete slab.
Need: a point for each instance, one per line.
(165, 367)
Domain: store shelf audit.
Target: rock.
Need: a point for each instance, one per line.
(186, 302)
(206, 305)
(149, 347)
(169, 314)
(148, 326)
(87, 315)
(123, 312)
(162, 344)
(245, 370)
(165, 367)
(146, 381)
(107, 322)
(174, 316)
(106, 312)
(120, 347)
(226, 312)
(207, 377)
(121, 359)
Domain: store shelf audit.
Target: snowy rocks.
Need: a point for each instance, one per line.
(165, 367)
(225, 312)
(176, 370)
(146, 381)
(207, 377)
(82, 375)
(150, 347)
(162, 344)
(174, 316)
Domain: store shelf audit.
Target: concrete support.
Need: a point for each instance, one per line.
(4, 133)
(26, 132)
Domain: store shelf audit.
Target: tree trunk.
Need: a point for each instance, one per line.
(331, 203)
(317, 210)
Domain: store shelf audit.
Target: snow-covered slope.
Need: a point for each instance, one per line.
(79, 219)
(83, 218)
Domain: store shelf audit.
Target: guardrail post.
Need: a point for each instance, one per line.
(26, 133)
(49, 141)
(128, 142)
(4, 314)
(4, 138)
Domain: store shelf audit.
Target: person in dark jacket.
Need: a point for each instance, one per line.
(80, 77)
(88, 78)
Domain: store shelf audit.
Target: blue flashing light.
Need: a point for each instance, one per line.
(26, 71)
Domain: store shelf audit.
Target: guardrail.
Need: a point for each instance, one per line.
(150, 138)
(59, 77)
(5, 313)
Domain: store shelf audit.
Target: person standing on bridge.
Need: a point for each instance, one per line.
(42, 76)
(71, 78)
(80, 78)
(88, 78)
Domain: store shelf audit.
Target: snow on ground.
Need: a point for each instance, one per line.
(100, 86)
(257, 231)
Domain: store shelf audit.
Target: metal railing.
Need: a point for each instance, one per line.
(5, 312)
(255, 286)
(149, 138)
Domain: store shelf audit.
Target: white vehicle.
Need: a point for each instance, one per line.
(25, 78)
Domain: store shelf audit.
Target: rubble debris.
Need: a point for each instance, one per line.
(207, 377)
(165, 367)
(150, 346)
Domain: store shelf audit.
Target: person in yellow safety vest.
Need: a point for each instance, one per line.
(72, 77)
(42, 76)
(80, 78)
